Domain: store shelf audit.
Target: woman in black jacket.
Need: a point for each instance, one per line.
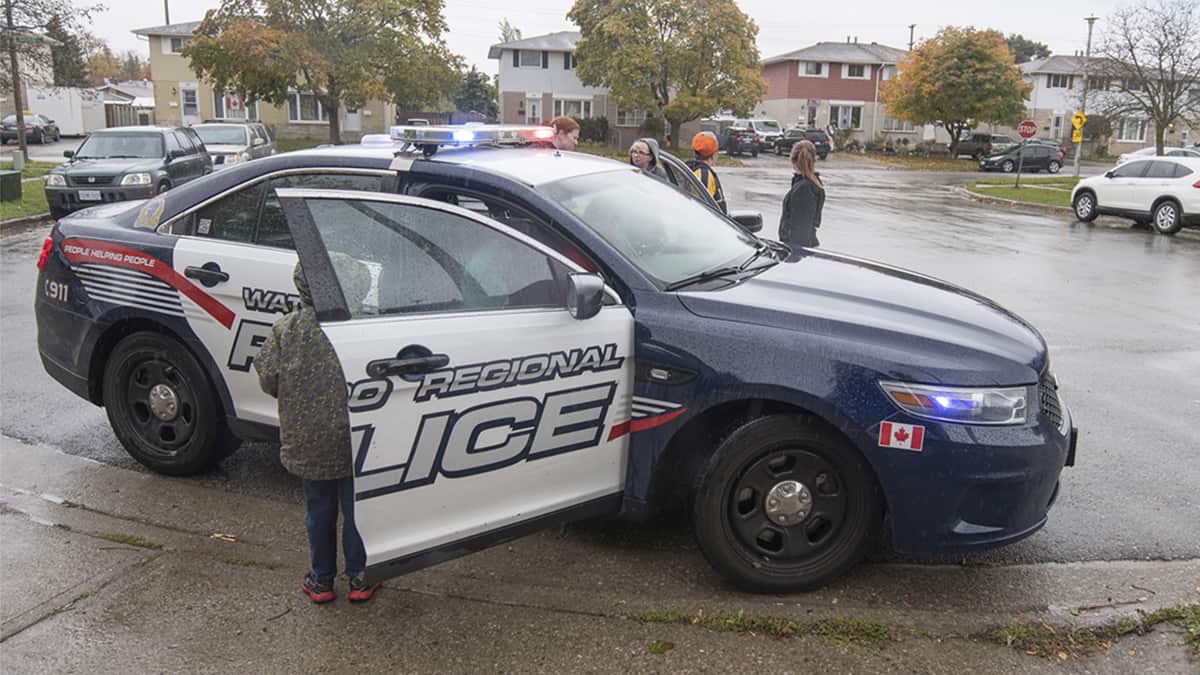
(804, 201)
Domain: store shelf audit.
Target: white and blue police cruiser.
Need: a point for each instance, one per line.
(551, 336)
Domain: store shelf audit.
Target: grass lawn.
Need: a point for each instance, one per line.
(31, 169)
(32, 202)
(1067, 182)
(289, 144)
(927, 163)
(1032, 190)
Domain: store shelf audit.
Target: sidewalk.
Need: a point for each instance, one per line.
(107, 570)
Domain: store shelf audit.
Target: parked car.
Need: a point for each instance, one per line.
(124, 163)
(1164, 191)
(1147, 153)
(1036, 157)
(980, 145)
(765, 131)
(741, 140)
(1046, 141)
(38, 129)
(230, 143)
(783, 144)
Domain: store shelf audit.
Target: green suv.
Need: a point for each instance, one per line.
(124, 163)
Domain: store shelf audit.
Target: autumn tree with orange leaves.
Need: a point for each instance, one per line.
(344, 51)
(961, 78)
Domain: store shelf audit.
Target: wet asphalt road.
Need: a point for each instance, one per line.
(1119, 307)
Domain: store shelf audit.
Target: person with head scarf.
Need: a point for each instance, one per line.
(644, 154)
(805, 200)
(298, 366)
(704, 150)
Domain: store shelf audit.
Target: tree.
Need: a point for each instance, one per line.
(103, 64)
(509, 32)
(67, 55)
(477, 94)
(679, 59)
(344, 51)
(134, 67)
(960, 78)
(1149, 65)
(1024, 49)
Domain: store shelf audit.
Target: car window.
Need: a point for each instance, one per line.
(142, 145)
(230, 218)
(261, 132)
(680, 176)
(1161, 170)
(222, 134)
(172, 142)
(273, 228)
(1000, 139)
(1131, 170)
(1181, 171)
(404, 259)
(185, 142)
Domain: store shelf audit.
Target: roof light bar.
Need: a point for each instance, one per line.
(456, 135)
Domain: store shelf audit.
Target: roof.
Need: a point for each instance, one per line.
(842, 52)
(174, 29)
(1059, 64)
(562, 41)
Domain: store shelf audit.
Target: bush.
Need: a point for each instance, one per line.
(593, 129)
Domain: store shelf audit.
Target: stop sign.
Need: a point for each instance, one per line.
(1027, 129)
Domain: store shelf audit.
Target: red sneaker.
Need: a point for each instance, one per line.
(318, 591)
(361, 591)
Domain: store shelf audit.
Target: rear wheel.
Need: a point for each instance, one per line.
(1008, 166)
(1054, 166)
(1085, 206)
(162, 406)
(1167, 217)
(162, 187)
(785, 505)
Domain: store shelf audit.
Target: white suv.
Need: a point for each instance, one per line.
(1164, 191)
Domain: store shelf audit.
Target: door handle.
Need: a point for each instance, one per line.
(410, 366)
(209, 274)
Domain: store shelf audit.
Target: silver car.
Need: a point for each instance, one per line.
(235, 142)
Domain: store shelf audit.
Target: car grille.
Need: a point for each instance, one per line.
(84, 181)
(1051, 406)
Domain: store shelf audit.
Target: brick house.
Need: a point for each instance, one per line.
(834, 84)
(181, 97)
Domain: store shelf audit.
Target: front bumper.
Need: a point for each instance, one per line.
(974, 487)
(68, 199)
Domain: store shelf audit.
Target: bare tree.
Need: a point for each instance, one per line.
(1148, 65)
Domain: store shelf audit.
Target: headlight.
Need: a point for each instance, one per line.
(136, 179)
(55, 180)
(964, 405)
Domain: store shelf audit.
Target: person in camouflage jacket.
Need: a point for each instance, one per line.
(298, 366)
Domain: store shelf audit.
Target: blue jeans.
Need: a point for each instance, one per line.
(321, 501)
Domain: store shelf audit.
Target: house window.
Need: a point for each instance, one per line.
(855, 71)
(1132, 130)
(1060, 81)
(232, 106)
(893, 124)
(889, 72)
(812, 69)
(304, 107)
(1098, 83)
(176, 44)
(568, 61)
(530, 59)
(630, 118)
(191, 105)
(580, 108)
(846, 116)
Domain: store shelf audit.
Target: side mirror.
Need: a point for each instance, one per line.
(1110, 173)
(258, 141)
(585, 295)
(68, 154)
(174, 154)
(751, 221)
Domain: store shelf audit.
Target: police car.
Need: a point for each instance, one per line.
(550, 336)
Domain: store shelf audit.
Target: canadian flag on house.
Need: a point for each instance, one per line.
(902, 436)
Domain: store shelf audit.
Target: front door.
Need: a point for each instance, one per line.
(189, 103)
(353, 121)
(479, 407)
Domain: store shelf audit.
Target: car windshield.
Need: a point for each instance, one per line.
(767, 125)
(665, 234)
(98, 146)
(222, 135)
(9, 119)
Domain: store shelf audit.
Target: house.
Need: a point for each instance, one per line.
(538, 82)
(1057, 93)
(834, 84)
(181, 97)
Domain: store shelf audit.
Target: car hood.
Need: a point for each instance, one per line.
(225, 149)
(109, 167)
(907, 324)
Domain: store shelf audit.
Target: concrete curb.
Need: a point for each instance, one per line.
(23, 220)
(1011, 203)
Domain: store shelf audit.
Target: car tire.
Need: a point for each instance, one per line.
(1054, 166)
(754, 153)
(41, 138)
(1085, 206)
(162, 187)
(767, 456)
(57, 214)
(1008, 166)
(1167, 218)
(183, 430)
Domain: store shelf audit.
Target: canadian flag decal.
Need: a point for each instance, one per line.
(903, 436)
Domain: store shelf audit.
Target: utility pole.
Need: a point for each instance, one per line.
(911, 28)
(167, 12)
(10, 31)
(1087, 66)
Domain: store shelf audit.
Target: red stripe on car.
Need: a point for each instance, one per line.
(642, 424)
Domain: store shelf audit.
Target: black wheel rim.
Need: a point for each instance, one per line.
(164, 438)
(809, 536)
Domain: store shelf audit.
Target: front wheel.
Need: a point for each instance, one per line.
(1085, 206)
(1008, 166)
(785, 505)
(162, 406)
(1167, 218)
(1054, 167)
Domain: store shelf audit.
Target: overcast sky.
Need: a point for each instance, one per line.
(784, 25)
